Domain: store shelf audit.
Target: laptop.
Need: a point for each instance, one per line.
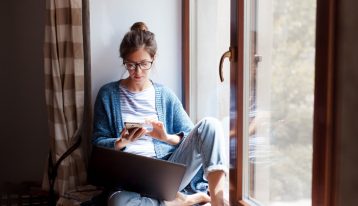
(150, 177)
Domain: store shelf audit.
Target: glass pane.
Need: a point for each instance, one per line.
(279, 79)
(209, 39)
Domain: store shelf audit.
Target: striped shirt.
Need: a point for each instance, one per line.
(136, 107)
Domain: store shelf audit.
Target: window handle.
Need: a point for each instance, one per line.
(257, 58)
(227, 54)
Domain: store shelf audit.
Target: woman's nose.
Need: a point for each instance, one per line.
(137, 69)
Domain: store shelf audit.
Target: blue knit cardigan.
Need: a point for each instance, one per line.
(108, 122)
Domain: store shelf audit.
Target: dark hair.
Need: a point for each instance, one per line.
(139, 26)
(138, 37)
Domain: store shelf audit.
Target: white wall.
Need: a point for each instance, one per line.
(111, 19)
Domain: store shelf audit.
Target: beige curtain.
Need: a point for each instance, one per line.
(64, 79)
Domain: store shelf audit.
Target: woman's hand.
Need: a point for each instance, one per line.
(128, 136)
(159, 133)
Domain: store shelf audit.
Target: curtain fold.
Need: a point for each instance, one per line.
(64, 90)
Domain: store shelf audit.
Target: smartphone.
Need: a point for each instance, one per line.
(132, 125)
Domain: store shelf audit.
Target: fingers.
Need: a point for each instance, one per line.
(134, 134)
(157, 124)
(124, 131)
(140, 132)
(158, 130)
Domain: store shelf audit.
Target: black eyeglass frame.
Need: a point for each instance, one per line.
(136, 65)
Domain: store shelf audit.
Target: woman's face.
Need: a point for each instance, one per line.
(138, 65)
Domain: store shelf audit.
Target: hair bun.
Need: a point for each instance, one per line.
(139, 26)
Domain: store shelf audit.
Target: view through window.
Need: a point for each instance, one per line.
(279, 85)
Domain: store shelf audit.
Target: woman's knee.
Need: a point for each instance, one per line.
(209, 125)
(123, 198)
(126, 198)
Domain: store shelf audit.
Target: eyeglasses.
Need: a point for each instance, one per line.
(143, 65)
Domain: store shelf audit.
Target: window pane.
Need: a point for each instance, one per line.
(279, 79)
(209, 39)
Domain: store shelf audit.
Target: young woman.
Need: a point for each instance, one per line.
(173, 136)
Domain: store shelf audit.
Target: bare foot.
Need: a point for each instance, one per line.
(186, 200)
(219, 200)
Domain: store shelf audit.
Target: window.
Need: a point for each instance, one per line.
(274, 159)
(244, 174)
(279, 62)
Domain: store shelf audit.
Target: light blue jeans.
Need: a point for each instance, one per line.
(204, 146)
